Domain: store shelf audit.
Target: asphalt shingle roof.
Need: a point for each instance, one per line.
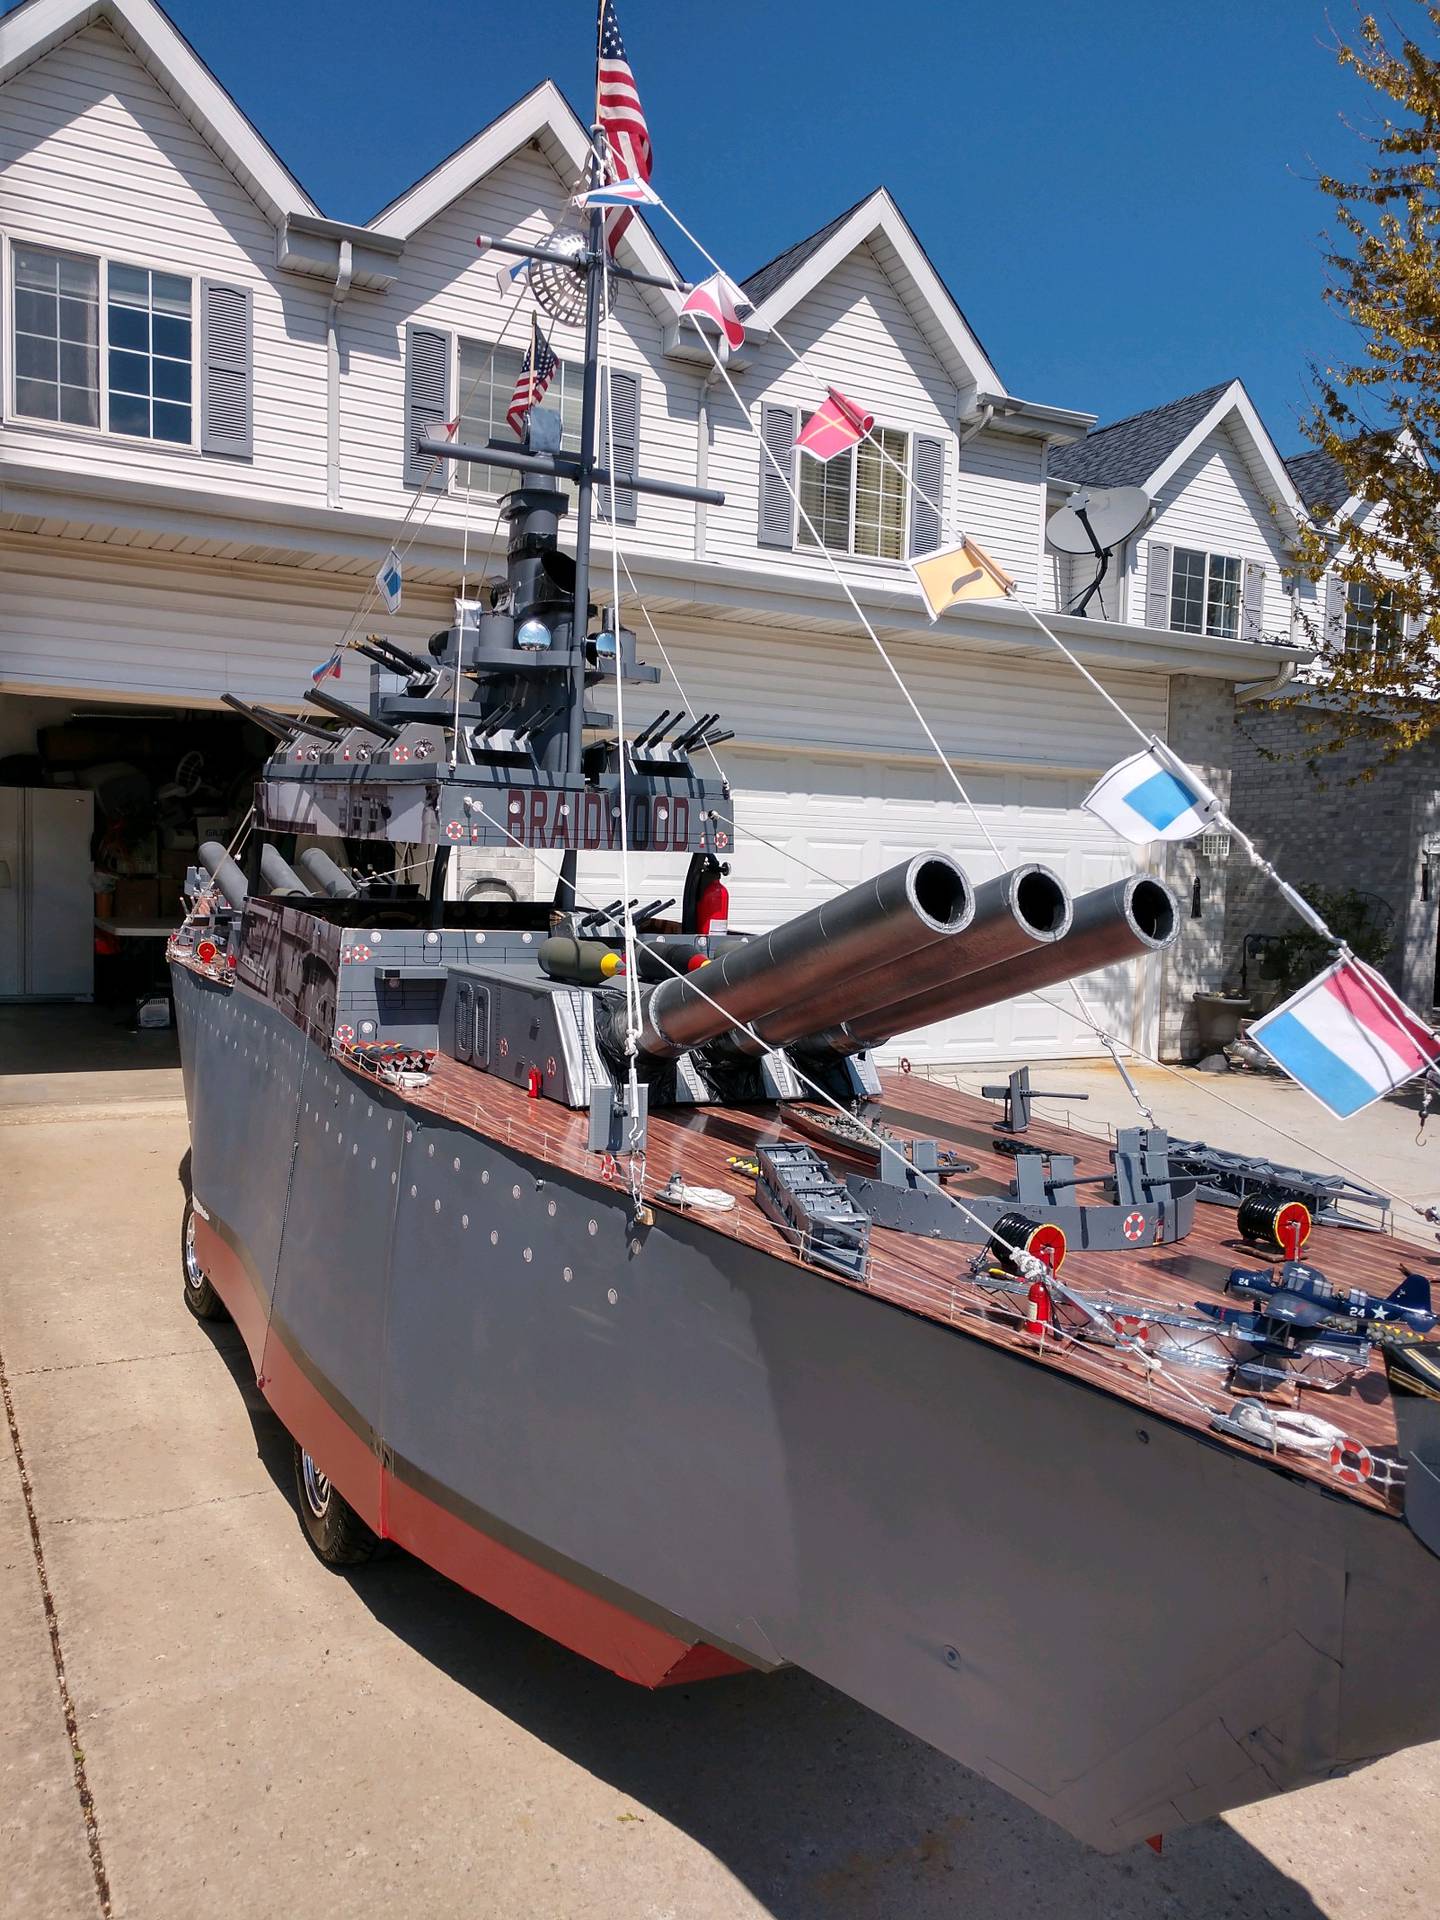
(763, 282)
(1319, 479)
(1127, 452)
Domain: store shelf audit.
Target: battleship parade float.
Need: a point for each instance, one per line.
(585, 1253)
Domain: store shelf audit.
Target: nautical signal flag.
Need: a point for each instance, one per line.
(1153, 796)
(1347, 1037)
(960, 573)
(720, 299)
(836, 425)
(328, 669)
(620, 193)
(389, 580)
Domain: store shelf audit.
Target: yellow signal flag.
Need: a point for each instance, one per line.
(960, 573)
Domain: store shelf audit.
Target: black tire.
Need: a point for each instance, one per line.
(332, 1526)
(200, 1297)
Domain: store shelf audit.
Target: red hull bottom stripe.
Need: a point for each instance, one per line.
(224, 1267)
(586, 1622)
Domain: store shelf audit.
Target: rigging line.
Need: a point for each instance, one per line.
(913, 485)
(844, 584)
(439, 494)
(632, 983)
(664, 655)
(1026, 1263)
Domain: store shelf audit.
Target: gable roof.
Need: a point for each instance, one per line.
(763, 282)
(36, 28)
(1127, 452)
(545, 116)
(784, 281)
(1148, 449)
(1322, 483)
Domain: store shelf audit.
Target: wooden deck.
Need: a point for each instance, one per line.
(931, 1277)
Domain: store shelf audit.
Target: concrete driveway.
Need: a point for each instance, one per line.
(199, 1719)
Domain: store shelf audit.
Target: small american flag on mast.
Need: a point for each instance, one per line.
(537, 370)
(619, 112)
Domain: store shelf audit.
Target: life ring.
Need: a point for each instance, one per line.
(1133, 1226)
(454, 831)
(345, 1034)
(1351, 1462)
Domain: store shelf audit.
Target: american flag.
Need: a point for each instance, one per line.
(618, 109)
(537, 370)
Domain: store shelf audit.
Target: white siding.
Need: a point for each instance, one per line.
(853, 332)
(94, 156)
(140, 628)
(444, 281)
(1001, 501)
(1213, 503)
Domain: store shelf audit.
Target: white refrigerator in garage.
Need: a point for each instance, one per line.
(47, 907)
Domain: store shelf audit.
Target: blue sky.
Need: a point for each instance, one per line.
(1122, 197)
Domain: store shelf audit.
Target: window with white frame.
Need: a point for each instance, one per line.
(135, 375)
(487, 383)
(1371, 621)
(856, 501)
(1205, 593)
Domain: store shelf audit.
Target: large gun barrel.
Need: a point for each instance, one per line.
(1013, 913)
(882, 923)
(228, 878)
(1129, 917)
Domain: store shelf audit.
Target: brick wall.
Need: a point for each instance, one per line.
(1322, 829)
(1201, 732)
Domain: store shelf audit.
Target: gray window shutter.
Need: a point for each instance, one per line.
(1157, 586)
(928, 473)
(226, 371)
(1252, 605)
(1333, 634)
(427, 401)
(624, 391)
(777, 509)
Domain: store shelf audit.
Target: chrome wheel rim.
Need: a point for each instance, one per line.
(195, 1276)
(316, 1485)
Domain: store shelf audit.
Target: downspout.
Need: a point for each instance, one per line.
(344, 269)
(976, 426)
(1266, 689)
(702, 457)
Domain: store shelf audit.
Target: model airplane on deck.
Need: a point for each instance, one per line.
(1301, 1295)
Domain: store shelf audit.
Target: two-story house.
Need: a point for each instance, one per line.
(209, 395)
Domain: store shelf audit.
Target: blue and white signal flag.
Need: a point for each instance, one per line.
(1153, 796)
(389, 581)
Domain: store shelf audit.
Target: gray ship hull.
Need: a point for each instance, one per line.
(685, 1456)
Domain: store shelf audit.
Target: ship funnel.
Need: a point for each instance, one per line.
(1011, 914)
(224, 872)
(1128, 918)
(868, 931)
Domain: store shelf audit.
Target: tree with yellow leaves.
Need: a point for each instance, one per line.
(1377, 418)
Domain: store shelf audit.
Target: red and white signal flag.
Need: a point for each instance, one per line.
(720, 299)
(837, 425)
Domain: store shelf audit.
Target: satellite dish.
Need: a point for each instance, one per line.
(1096, 519)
